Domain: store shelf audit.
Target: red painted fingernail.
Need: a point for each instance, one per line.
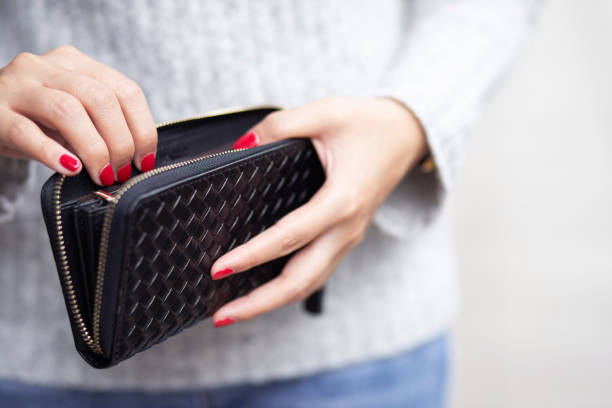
(124, 173)
(249, 139)
(69, 162)
(148, 162)
(226, 321)
(107, 177)
(222, 273)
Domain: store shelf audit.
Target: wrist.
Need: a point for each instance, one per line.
(418, 148)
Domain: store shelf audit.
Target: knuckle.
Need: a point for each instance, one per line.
(336, 108)
(123, 149)
(65, 107)
(66, 50)
(290, 240)
(272, 124)
(149, 141)
(100, 97)
(94, 152)
(24, 59)
(357, 236)
(354, 206)
(16, 132)
(128, 91)
(296, 290)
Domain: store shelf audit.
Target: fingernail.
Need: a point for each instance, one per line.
(148, 162)
(226, 321)
(124, 173)
(222, 273)
(69, 162)
(107, 177)
(249, 139)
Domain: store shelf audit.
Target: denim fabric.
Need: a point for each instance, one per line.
(416, 378)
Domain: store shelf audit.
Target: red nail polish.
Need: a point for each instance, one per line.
(226, 321)
(124, 173)
(222, 273)
(249, 139)
(69, 162)
(148, 162)
(107, 177)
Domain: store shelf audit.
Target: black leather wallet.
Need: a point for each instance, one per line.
(134, 259)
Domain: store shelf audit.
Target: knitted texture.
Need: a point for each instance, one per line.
(394, 291)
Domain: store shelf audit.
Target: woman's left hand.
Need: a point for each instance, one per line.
(366, 146)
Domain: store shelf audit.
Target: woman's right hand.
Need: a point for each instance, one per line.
(67, 111)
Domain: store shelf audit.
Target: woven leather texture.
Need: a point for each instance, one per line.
(176, 236)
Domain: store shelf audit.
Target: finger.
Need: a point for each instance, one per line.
(20, 137)
(58, 110)
(6, 151)
(105, 112)
(303, 274)
(55, 135)
(290, 233)
(304, 121)
(131, 99)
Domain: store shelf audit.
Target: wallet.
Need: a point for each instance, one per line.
(134, 259)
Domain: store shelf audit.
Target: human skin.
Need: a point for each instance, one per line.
(71, 112)
(366, 146)
(67, 111)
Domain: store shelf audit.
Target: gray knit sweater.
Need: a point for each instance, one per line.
(394, 291)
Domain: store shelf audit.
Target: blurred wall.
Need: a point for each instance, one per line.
(534, 225)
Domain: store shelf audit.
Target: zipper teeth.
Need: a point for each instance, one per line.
(65, 271)
(92, 339)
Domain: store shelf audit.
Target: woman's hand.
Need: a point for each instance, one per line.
(63, 107)
(366, 146)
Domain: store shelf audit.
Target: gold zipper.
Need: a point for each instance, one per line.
(65, 270)
(92, 339)
(217, 112)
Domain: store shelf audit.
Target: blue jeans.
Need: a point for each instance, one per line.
(417, 378)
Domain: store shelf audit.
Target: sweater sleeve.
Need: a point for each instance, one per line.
(454, 52)
(15, 175)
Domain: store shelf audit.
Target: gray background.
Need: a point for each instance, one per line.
(533, 216)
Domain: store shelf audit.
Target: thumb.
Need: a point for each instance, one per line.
(303, 121)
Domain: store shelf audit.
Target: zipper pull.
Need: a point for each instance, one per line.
(106, 196)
